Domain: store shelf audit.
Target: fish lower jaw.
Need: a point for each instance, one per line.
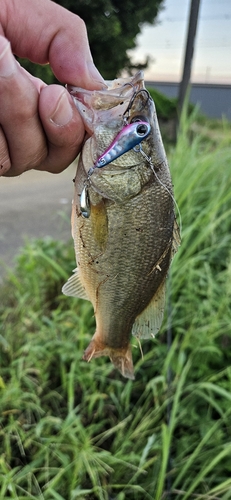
(121, 358)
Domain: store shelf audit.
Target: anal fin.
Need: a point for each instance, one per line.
(148, 323)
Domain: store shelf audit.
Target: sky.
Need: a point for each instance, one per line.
(165, 43)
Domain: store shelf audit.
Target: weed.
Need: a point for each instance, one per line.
(71, 430)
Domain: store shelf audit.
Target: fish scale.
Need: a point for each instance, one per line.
(124, 249)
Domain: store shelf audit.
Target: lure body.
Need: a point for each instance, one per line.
(130, 136)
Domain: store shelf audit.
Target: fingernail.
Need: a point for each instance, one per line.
(95, 74)
(63, 111)
(7, 61)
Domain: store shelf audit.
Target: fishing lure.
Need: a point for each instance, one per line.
(128, 138)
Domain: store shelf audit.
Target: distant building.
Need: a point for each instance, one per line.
(214, 100)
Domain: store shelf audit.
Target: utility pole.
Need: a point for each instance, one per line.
(192, 27)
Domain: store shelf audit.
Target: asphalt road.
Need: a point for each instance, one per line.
(33, 205)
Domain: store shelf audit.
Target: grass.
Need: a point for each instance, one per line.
(71, 430)
(166, 107)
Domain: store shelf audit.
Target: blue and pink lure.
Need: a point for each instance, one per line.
(128, 138)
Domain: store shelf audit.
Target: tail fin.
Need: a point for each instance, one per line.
(121, 358)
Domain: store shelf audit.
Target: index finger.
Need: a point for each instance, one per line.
(53, 35)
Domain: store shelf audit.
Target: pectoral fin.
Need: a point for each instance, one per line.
(148, 323)
(74, 288)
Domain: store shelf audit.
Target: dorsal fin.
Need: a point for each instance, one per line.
(74, 288)
(148, 323)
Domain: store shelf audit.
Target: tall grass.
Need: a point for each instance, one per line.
(71, 430)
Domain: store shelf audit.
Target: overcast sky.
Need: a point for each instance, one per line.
(165, 42)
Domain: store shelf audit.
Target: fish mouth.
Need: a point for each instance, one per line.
(111, 105)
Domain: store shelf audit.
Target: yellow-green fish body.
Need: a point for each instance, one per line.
(125, 244)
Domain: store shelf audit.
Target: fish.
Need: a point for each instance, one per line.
(123, 219)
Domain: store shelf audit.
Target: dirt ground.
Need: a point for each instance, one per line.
(33, 205)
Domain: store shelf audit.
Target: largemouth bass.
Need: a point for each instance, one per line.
(123, 221)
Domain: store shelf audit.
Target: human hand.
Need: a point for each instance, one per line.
(40, 126)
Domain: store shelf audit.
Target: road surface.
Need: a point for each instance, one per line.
(33, 205)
